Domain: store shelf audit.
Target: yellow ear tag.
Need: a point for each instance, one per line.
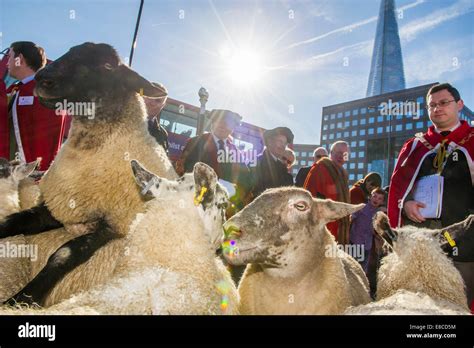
(141, 92)
(198, 199)
(449, 239)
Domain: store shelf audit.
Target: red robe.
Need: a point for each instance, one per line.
(4, 136)
(410, 159)
(41, 131)
(326, 180)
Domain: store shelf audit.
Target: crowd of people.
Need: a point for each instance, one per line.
(444, 152)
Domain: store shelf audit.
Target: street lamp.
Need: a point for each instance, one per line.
(203, 98)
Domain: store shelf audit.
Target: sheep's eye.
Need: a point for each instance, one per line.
(108, 66)
(301, 206)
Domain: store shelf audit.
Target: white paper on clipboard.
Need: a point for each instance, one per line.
(429, 191)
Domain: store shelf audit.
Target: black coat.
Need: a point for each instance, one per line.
(270, 173)
(301, 176)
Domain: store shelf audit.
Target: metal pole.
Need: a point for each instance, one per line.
(203, 98)
(134, 42)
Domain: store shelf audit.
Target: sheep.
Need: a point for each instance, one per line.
(168, 265)
(294, 263)
(11, 175)
(89, 179)
(416, 276)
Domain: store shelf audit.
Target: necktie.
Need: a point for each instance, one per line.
(15, 90)
(13, 142)
(221, 144)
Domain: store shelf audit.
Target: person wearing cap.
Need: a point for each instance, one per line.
(213, 149)
(271, 171)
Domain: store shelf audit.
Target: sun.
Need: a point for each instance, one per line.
(244, 67)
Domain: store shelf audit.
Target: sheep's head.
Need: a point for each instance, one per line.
(279, 224)
(199, 189)
(11, 173)
(415, 259)
(91, 73)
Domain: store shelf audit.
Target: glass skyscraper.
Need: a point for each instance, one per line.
(386, 72)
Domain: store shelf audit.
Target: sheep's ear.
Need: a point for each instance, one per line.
(23, 170)
(144, 178)
(205, 179)
(383, 229)
(328, 210)
(135, 82)
(459, 235)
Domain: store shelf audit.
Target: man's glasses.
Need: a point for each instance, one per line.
(5, 51)
(442, 104)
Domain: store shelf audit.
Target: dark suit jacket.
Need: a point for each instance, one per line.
(301, 176)
(203, 149)
(270, 173)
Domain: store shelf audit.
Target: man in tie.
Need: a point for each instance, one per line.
(217, 150)
(445, 150)
(31, 131)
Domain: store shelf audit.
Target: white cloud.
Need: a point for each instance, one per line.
(410, 31)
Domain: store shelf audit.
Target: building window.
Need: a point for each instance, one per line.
(326, 117)
(347, 113)
(355, 122)
(419, 125)
(310, 163)
(360, 176)
(339, 115)
(420, 100)
(398, 127)
(354, 133)
(346, 134)
(372, 109)
(353, 155)
(362, 121)
(351, 177)
(339, 125)
(371, 119)
(347, 124)
(362, 132)
(333, 116)
(304, 154)
(355, 112)
(360, 165)
(409, 126)
(332, 126)
(371, 131)
(379, 130)
(354, 144)
(361, 154)
(421, 112)
(429, 124)
(297, 153)
(362, 143)
(380, 118)
(325, 137)
(352, 166)
(303, 162)
(387, 129)
(363, 111)
(331, 136)
(338, 135)
(325, 127)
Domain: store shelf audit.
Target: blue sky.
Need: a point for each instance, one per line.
(306, 54)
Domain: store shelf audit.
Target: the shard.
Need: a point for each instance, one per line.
(386, 71)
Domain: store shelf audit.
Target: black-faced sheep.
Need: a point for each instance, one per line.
(90, 177)
(295, 266)
(168, 263)
(416, 276)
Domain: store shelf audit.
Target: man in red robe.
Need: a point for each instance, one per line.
(30, 131)
(327, 179)
(446, 150)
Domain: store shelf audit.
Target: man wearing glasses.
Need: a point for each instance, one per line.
(444, 153)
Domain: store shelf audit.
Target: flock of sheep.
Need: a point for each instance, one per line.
(119, 233)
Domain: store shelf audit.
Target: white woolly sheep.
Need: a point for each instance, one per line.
(167, 265)
(90, 177)
(295, 266)
(416, 276)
